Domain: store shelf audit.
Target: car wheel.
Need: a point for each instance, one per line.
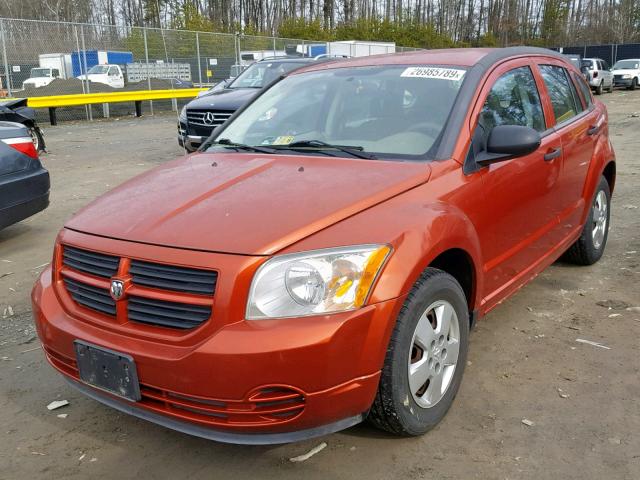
(634, 84)
(599, 88)
(426, 357)
(588, 249)
(38, 141)
(611, 87)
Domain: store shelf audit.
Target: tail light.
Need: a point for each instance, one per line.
(595, 74)
(23, 145)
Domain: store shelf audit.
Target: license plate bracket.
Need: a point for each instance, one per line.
(107, 370)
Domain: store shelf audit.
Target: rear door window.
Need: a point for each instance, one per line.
(561, 93)
(584, 89)
(513, 100)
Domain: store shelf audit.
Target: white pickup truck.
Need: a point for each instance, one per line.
(41, 77)
(108, 74)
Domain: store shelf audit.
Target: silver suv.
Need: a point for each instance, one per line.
(599, 75)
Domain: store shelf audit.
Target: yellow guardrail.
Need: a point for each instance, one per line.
(56, 101)
(137, 96)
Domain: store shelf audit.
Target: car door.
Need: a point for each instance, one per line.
(519, 194)
(577, 126)
(606, 73)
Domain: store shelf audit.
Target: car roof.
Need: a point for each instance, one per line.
(288, 60)
(462, 57)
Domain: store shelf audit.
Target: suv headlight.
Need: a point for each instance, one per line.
(626, 75)
(183, 115)
(315, 282)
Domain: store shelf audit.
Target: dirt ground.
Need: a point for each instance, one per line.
(524, 360)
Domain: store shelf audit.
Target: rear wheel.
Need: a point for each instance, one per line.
(588, 249)
(425, 359)
(38, 141)
(599, 88)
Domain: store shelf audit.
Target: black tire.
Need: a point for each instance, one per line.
(634, 84)
(611, 87)
(599, 88)
(584, 251)
(395, 409)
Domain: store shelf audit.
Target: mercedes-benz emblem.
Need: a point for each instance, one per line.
(209, 117)
(117, 289)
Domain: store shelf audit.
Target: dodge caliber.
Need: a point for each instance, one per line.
(321, 259)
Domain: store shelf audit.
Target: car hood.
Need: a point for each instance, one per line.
(244, 203)
(226, 99)
(624, 72)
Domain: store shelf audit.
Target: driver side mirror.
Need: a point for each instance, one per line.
(508, 141)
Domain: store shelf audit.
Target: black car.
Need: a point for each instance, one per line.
(200, 116)
(24, 182)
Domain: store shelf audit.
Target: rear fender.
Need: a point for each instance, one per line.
(603, 154)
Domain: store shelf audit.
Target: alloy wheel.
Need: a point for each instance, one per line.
(434, 353)
(599, 219)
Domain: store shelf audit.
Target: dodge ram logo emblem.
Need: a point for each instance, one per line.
(209, 117)
(117, 289)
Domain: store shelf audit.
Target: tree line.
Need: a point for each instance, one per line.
(410, 23)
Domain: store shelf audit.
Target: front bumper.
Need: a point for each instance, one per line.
(328, 367)
(622, 82)
(188, 139)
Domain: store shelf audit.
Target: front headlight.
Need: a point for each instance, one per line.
(315, 283)
(626, 75)
(183, 115)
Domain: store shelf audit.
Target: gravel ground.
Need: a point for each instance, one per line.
(524, 361)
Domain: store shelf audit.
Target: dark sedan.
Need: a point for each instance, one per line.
(200, 116)
(24, 182)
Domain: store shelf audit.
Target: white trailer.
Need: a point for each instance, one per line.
(58, 61)
(358, 48)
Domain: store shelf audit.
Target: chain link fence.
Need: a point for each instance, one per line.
(610, 53)
(54, 58)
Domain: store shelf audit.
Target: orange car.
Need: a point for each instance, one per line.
(323, 256)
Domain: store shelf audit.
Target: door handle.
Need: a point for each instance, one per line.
(593, 130)
(550, 155)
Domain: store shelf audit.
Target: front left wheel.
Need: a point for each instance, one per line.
(426, 357)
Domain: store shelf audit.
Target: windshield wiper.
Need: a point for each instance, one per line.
(354, 150)
(225, 142)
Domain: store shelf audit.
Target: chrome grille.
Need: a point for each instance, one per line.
(198, 117)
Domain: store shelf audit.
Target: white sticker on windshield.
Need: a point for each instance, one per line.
(453, 74)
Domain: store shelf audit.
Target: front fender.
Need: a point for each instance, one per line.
(418, 229)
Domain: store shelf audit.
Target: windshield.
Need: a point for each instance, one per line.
(389, 111)
(262, 73)
(626, 65)
(98, 69)
(40, 72)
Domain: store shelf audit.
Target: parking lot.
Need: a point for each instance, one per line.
(583, 401)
